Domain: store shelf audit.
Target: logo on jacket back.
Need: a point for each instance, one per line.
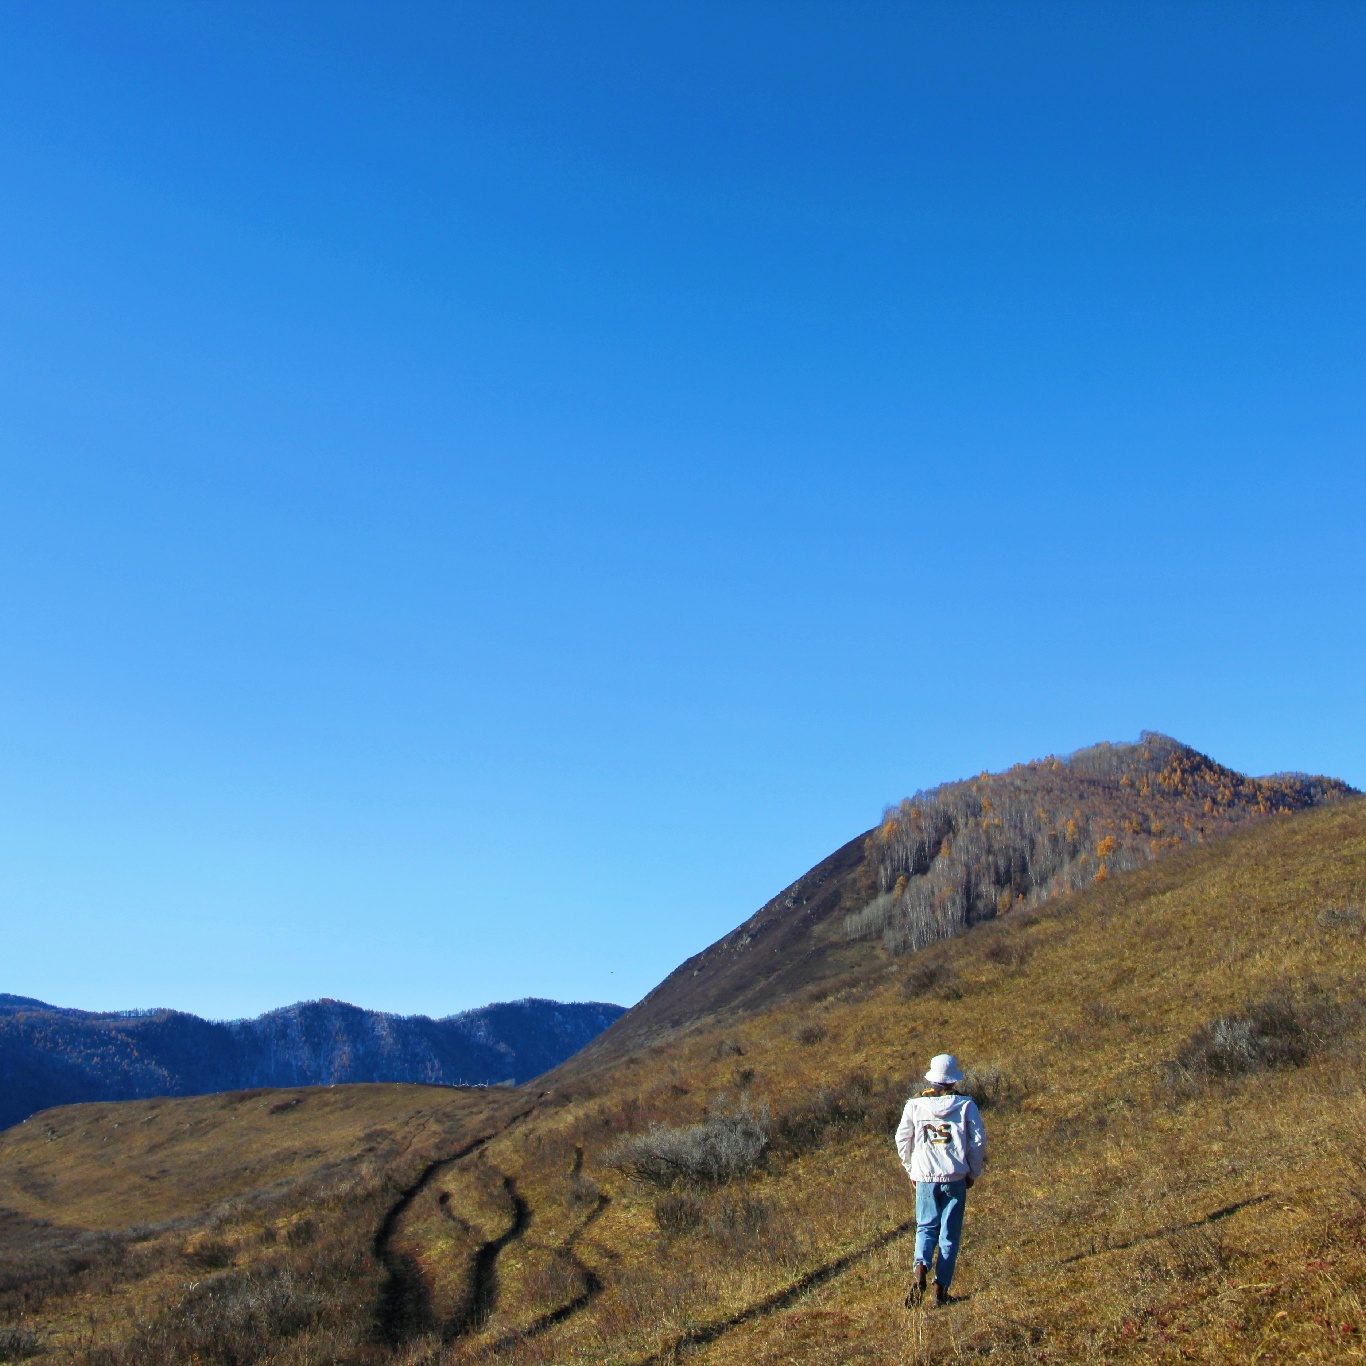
(940, 1135)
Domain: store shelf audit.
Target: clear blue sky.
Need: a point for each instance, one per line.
(489, 493)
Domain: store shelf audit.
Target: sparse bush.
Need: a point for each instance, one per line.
(719, 1149)
(632, 1113)
(994, 1089)
(936, 979)
(211, 1254)
(551, 1277)
(1006, 953)
(676, 1215)
(40, 1261)
(583, 1191)
(1184, 1256)
(728, 1048)
(1275, 1032)
(858, 1104)
(1346, 919)
(302, 1233)
(743, 1076)
(235, 1318)
(19, 1343)
(847, 987)
(1269, 1035)
(1101, 1014)
(810, 1034)
(736, 1224)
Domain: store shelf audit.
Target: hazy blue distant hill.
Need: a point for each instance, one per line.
(53, 1056)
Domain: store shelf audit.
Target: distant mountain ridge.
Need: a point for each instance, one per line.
(50, 1055)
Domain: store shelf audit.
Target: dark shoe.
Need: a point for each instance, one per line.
(917, 1291)
(941, 1293)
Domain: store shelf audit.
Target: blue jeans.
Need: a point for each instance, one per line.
(939, 1218)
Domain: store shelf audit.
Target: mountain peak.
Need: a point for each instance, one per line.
(945, 859)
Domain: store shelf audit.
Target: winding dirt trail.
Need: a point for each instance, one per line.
(405, 1304)
(592, 1288)
(405, 1307)
(406, 1312)
(482, 1297)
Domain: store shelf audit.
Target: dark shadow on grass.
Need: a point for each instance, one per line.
(1214, 1218)
(781, 1299)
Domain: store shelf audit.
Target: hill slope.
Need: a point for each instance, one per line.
(962, 853)
(52, 1056)
(1169, 1061)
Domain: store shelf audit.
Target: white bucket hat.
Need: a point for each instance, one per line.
(944, 1070)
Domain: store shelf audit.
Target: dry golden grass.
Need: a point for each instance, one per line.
(1121, 1217)
(1082, 1005)
(148, 1161)
(113, 1212)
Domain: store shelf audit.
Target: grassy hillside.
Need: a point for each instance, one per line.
(1170, 1068)
(946, 859)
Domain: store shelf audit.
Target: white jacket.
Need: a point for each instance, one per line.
(940, 1138)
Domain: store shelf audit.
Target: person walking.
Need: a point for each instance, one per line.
(942, 1145)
